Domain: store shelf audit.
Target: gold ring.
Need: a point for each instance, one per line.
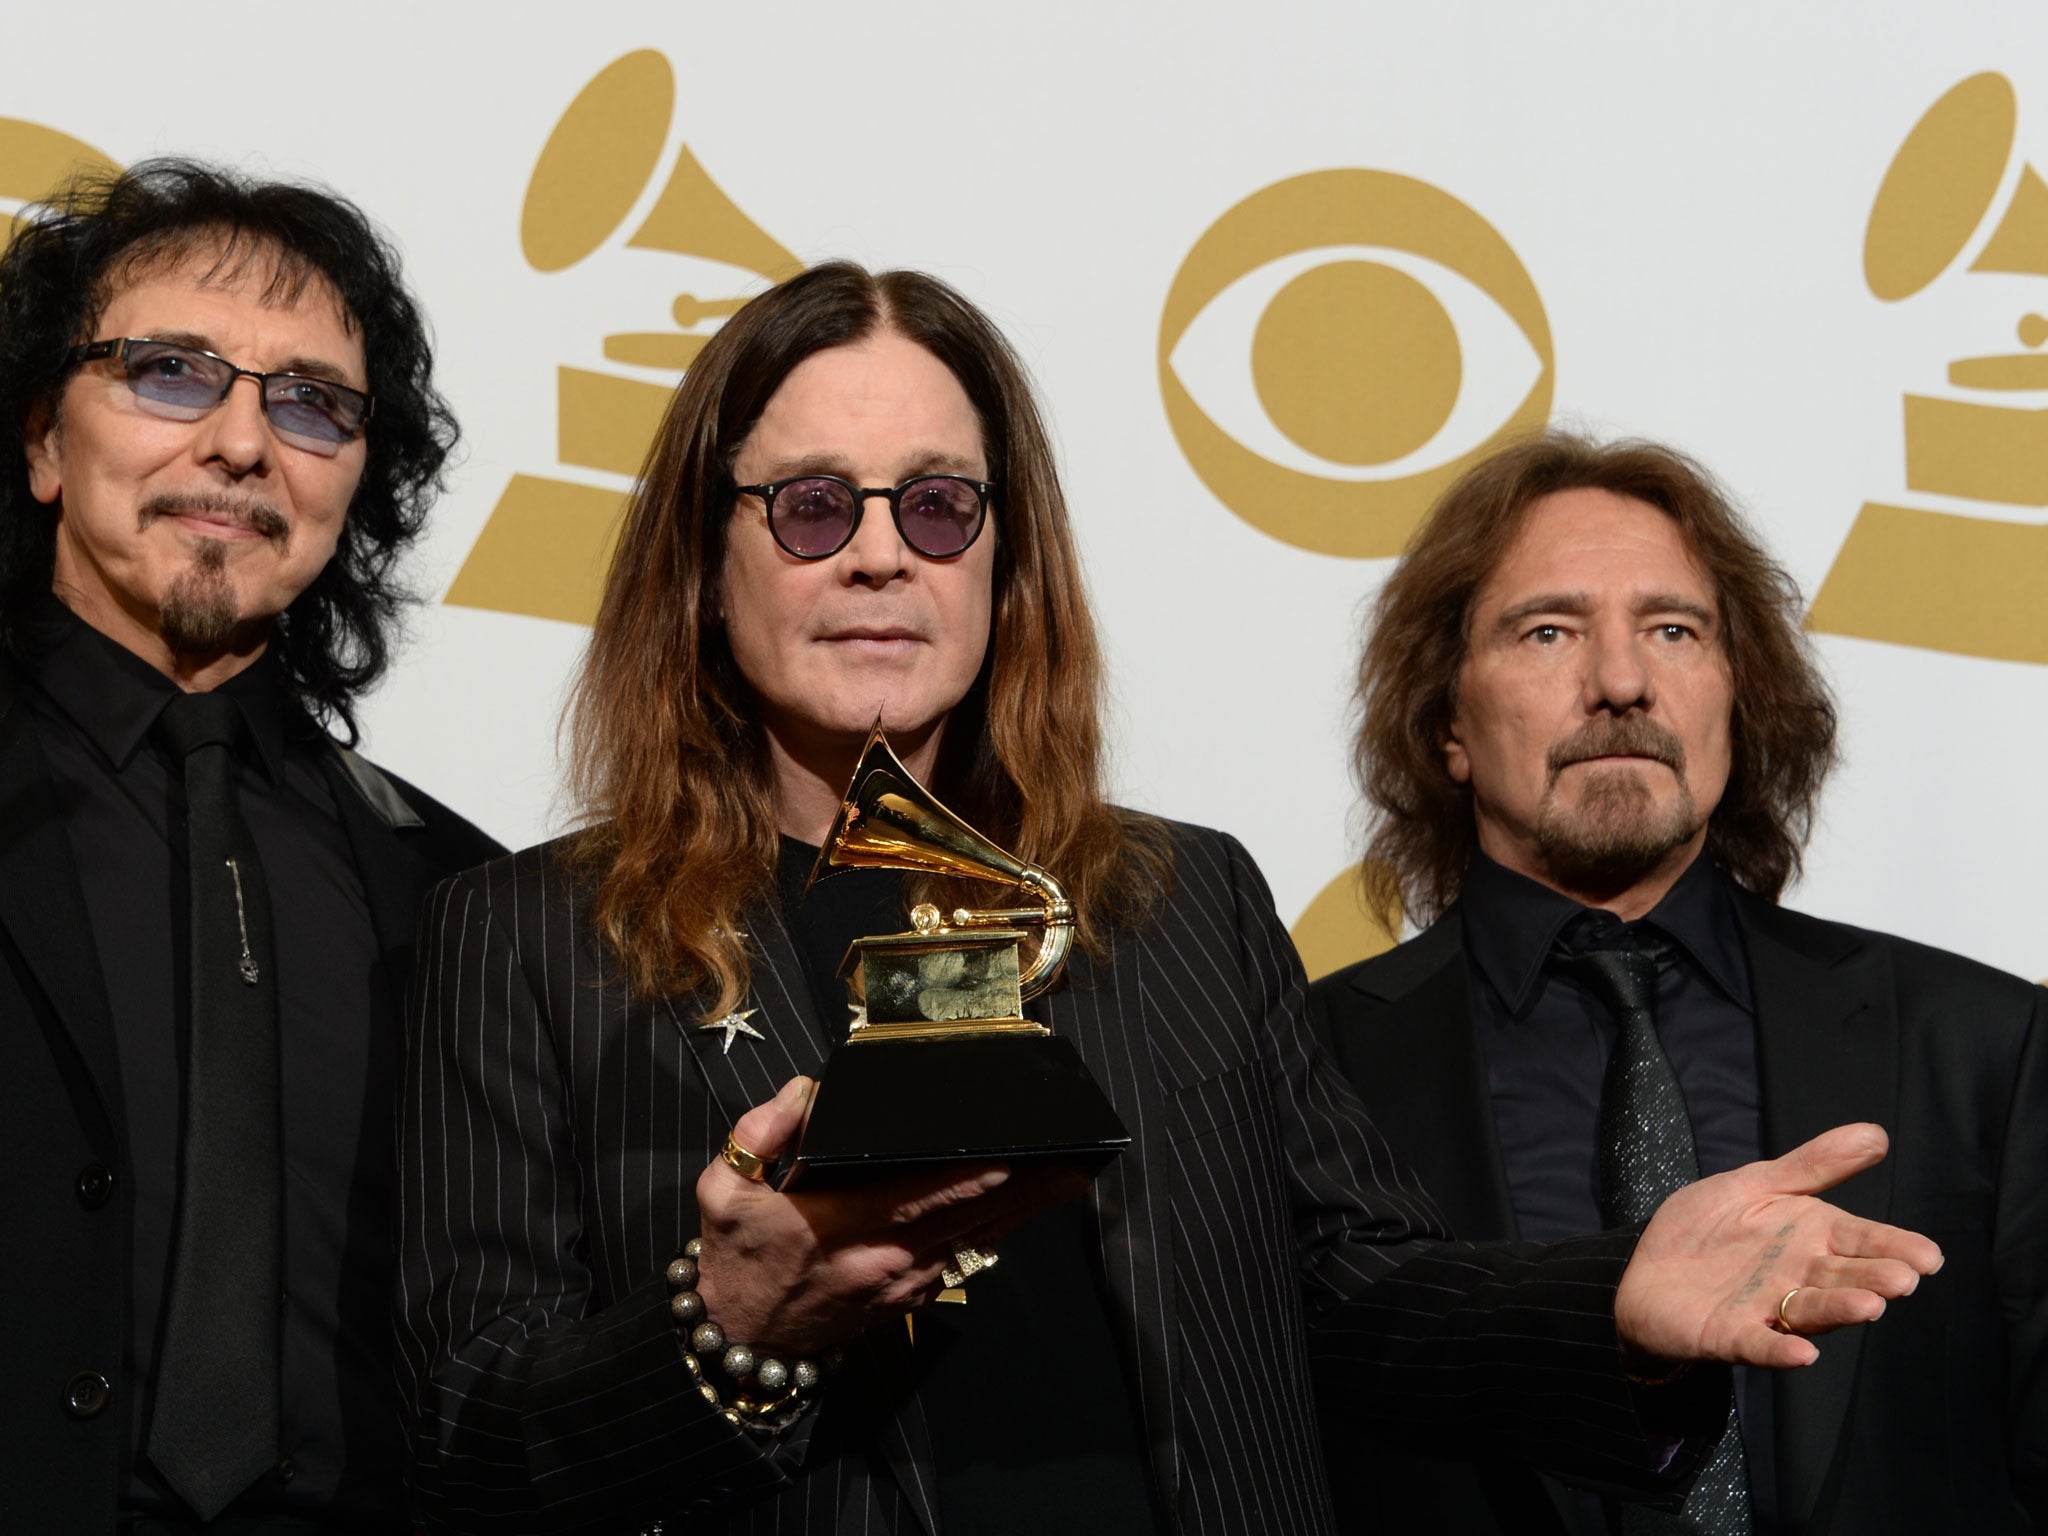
(746, 1164)
(966, 1262)
(1784, 1322)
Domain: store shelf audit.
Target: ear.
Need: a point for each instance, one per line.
(1455, 760)
(40, 444)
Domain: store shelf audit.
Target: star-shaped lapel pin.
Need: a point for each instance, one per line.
(735, 1024)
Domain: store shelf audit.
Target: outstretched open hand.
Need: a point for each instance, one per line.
(1719, 1257)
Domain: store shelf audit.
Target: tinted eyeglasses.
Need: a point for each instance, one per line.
(813, 516)
(183, 384)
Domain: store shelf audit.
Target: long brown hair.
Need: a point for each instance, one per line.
(1422, 832)
(668, 757)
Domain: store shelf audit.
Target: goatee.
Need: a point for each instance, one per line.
(199, 614)
(1617, 832)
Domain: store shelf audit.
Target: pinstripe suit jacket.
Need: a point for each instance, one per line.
(1258, 1232)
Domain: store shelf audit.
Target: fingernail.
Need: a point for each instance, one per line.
(991, 1179)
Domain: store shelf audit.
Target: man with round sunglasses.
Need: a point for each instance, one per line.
(609, 1320)
(813, 516)
(223, 433)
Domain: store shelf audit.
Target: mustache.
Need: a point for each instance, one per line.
(1617, 736)
(251, 512)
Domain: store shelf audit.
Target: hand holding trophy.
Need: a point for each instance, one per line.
(946, 1118)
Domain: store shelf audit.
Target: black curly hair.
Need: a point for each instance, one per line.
(72, 255)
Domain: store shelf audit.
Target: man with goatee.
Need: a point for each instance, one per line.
(1592, 741)
(223, 432)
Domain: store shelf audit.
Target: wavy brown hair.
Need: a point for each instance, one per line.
(1421, 829)
(669, 758)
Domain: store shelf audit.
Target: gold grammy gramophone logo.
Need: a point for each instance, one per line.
(548, 541)
(1971, 581)
(1339, 346)
(34, 162)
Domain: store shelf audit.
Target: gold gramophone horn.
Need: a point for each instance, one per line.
(890, 821)
(599, 161)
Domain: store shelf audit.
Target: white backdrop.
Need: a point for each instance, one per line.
(1688, 194)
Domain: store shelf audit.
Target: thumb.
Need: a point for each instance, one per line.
(1827, 1160)
(766, 1130)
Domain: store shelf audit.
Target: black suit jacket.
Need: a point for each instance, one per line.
(1258, 1229)
(1936, 1417)
(64, 1193)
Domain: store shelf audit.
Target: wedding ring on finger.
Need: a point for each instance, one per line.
(1784, 1323)
(747, 1165)
(967, 1261)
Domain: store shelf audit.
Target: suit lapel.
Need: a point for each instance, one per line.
(747, 1071)
(394, 876)
(1104, 1017)
(750, 1071)
(1435, 1073)
(1827, 1047)
(42, 906)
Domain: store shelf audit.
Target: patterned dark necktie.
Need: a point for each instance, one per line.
(1646, 1152)
(214, 1429)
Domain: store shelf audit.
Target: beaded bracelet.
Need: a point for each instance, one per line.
(767, 1393)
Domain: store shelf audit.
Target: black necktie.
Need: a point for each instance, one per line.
(1646, 1152)
(214, 1429)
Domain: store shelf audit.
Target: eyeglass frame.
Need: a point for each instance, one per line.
(862, 495)
(115, 348)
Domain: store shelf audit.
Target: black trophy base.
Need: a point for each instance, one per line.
(887, 1107)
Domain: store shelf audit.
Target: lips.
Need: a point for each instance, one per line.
(878, 633)
(225, 522)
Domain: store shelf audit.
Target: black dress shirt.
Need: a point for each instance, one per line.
(94, 706)
(1547, 1038)
(1033, 1421)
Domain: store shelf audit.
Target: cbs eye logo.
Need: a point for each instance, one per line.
(1339, 346)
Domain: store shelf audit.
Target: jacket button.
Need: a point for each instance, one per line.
(86, 1394)
(95, 1185)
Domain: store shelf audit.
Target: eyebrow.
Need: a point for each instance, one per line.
(307, 367)
(929, 462)
(1578, 604)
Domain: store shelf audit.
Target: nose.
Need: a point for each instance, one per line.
(876, 554)
(235, 434)
(1618, 675)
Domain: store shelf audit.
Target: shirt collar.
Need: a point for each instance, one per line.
(114, 697)
(1511, 922)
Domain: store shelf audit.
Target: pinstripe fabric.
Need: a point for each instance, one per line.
(1258, 1228)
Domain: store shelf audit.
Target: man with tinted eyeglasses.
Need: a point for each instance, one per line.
(223, 434)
